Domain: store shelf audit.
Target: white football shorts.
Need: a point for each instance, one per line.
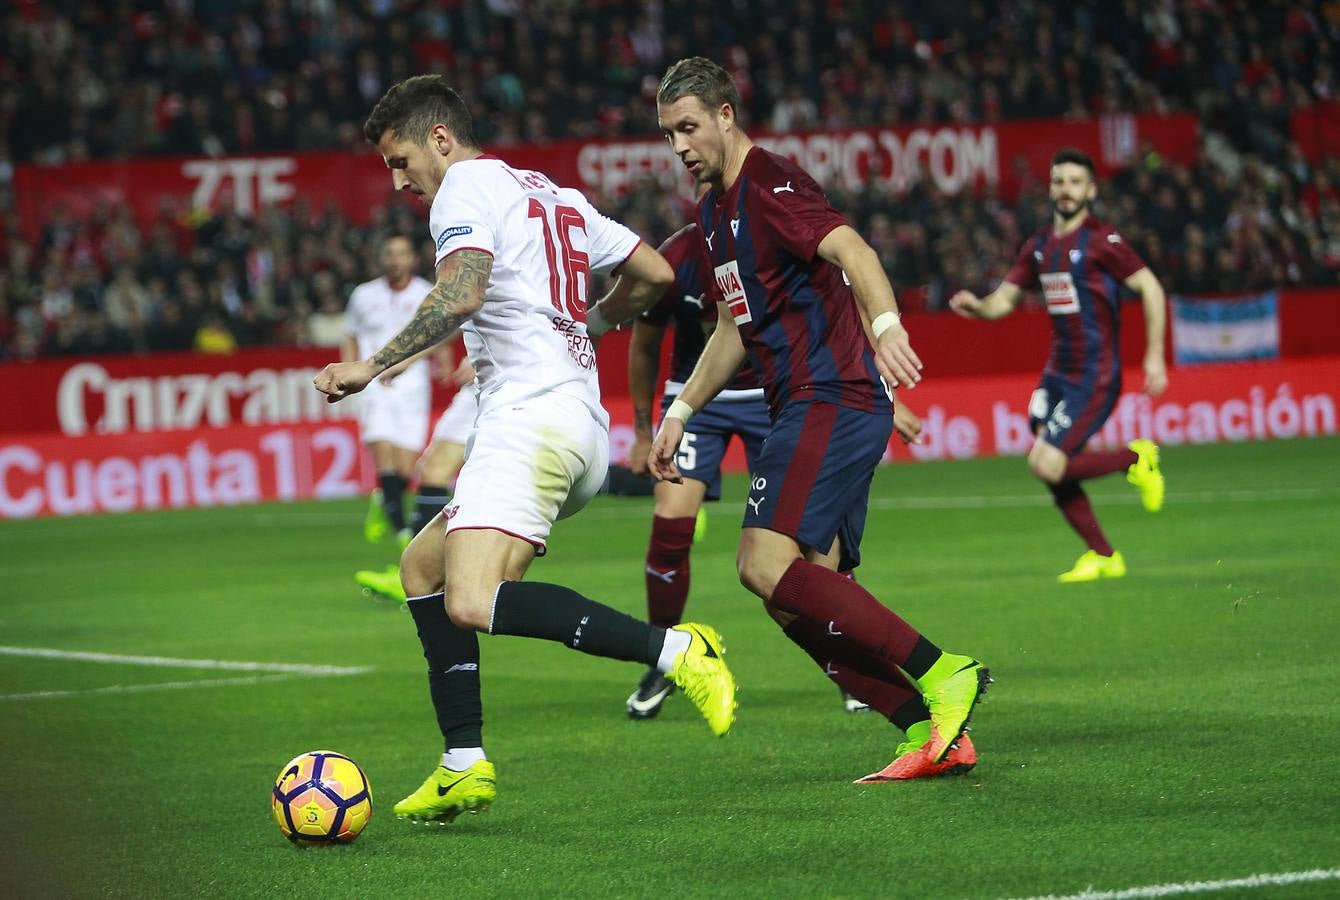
(529, 464)
(399, 417)
(458, 419)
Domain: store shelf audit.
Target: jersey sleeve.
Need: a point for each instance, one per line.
(609, 243)
(1116, 257)
(462, 218)
(797, 214)
(1024, 272)
(682, 250)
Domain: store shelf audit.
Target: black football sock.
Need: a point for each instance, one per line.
(552, 612)
(393, 498)
(453, 672)
(923, 656)
(910, 713)
(429, 502)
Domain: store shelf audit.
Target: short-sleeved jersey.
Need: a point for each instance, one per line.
(796, 312)
(687, 305)
(376, 313)
(529, 337)
(1080, 275)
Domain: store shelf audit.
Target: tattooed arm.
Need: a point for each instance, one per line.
(459, 293)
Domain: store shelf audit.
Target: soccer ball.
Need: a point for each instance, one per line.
(321, 797)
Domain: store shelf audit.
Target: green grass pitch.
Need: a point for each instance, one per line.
(1178, 725)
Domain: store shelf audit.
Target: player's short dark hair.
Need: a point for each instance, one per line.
(699, 77)
(1073, 155)
(412, 107)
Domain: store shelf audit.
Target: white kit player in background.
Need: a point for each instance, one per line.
(393, 423)
(438, 466)
(514, 257)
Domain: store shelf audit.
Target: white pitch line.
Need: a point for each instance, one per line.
(1041, 498)
(1202, 887)
(145, 688)
(171, 662)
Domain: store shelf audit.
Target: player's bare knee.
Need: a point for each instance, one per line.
(417, 583)
(469, 608)
(1047, 467)
(757, 573)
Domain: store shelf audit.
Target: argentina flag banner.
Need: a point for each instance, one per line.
(1225, 329)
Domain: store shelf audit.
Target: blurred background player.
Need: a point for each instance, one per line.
(738, 411)
(540, 449)
(1080, 263)
(437, 467)
(796, 286)
(393, 421)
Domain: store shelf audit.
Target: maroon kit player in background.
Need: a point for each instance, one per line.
(781, 260)
(1080, 264)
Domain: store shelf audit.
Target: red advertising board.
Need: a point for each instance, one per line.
(952, 156)
(168, 391)
(52, 474)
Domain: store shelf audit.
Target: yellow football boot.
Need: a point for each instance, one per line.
(1090, 567)
(701, 673)
(1145, 475)
(447, 794)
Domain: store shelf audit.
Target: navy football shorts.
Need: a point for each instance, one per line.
(708, 433)
(812, 480)
(1068, 414)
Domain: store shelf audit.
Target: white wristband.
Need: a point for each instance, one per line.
(596, 323)
(679, 410)
(883, 322)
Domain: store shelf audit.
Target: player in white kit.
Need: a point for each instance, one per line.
(514, 254)
(393, 422)
(438, 467)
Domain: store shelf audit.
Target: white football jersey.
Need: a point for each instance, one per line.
(529, 337)
(376, 313)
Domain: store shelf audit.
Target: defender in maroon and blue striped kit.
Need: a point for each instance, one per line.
(798, 319)
(1081, 264)
(797, 290)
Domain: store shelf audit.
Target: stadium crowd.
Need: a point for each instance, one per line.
(89, 81)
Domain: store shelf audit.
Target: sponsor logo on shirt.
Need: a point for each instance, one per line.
(454, 231)
(732, 291)
(1059, 290)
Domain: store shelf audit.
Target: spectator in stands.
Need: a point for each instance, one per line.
(213, 335)
(100, 82)
(325, 327)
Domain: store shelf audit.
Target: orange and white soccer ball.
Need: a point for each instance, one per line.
(321, 797)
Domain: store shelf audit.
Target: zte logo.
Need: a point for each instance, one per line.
(256, 183)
